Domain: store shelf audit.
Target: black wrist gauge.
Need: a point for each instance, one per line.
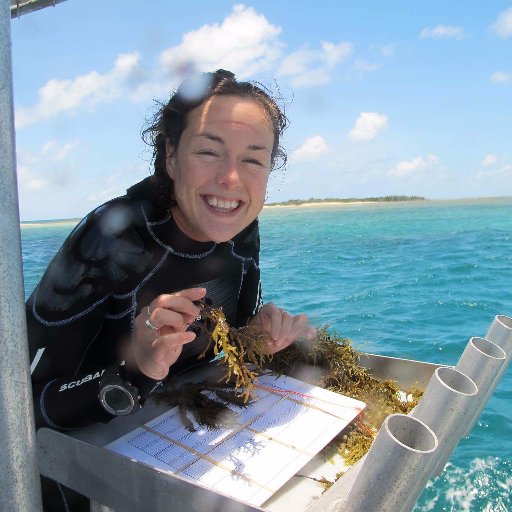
(118, 396)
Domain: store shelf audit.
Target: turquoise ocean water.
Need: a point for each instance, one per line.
(412, 280)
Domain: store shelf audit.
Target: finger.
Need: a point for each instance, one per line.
(156, 359)
(174, 340)
(166, 349)
(293, 327)
(275, 320)
(301, 327)
(170, 320)
(287, 328)
(181, 302)
(191, 293)
(311, 333)
(145, 329)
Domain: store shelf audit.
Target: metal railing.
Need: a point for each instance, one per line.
(19, 477)
(21, 7)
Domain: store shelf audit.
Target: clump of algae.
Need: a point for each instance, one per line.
(197, 399)
(340, 371)
(238, 348)
(242, 353)
(343, 373)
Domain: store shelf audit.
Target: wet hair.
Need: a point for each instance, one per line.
(171, 119)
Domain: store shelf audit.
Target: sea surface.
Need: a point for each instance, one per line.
(414, 280)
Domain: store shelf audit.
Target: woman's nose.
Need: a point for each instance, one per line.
(229, 175)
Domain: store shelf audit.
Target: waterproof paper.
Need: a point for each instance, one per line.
(279, 432)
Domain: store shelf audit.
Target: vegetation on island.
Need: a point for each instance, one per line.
(380, 199)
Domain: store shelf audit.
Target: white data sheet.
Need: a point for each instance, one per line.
(279, 432)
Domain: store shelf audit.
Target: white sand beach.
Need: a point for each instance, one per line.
(49, 223)
(320, 204)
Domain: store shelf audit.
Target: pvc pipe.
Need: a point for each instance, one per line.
(481, 361)
(444, 407)
(500, 333)
(19, 477)
(395, 470)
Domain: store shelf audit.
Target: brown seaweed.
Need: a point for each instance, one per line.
(242, 352)
(206, 401)
(343, 373)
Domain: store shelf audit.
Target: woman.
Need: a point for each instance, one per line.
(117, 310)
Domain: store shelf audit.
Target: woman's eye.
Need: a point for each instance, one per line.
(207, 152)
(253, 161)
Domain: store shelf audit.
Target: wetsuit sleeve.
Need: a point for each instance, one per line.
(65, 316)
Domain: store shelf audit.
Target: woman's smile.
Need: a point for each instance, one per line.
(222, 205)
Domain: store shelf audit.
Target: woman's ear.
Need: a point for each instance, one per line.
(170, 160)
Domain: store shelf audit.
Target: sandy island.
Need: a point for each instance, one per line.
(321, 204)
(49, 223)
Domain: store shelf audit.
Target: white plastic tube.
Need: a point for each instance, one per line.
(394, 472)
(481, 361)
(500, 333)
(445, 407)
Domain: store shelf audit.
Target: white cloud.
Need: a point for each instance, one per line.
(245, 43)
(332, 53)
(365, 67)
(29, 180)
(496, 172)
(414, 166)
(312, 148)
(503, 25)
(385, 50)
(490, 159)
(46, 168)
(367, 126)
(442, 32)
(494, 167)
(58, 96)
(56, 152)
(501, 76)
(306, 67)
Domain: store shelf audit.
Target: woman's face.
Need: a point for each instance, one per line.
(221, 168)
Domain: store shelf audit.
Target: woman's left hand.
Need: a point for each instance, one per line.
(283, 327)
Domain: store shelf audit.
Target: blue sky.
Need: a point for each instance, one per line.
(383, 98)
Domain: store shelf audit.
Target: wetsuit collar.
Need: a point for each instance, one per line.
(167, 233)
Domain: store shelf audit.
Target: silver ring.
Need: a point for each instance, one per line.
(150, 325)
(149, 311)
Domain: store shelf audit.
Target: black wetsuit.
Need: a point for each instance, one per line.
(115, 262)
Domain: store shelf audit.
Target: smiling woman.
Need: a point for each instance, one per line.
(117, 312)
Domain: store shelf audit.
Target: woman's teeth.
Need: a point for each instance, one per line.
(224, 205)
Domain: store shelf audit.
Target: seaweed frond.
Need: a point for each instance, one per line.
(205, 401)
(337, 368)
(237, 348)
(342, 373)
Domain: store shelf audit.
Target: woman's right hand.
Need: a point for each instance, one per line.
(155, 350)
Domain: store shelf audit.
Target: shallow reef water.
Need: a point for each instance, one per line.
(412, 279)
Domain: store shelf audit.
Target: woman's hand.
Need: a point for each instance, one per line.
(283, 327)
(161, 331)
